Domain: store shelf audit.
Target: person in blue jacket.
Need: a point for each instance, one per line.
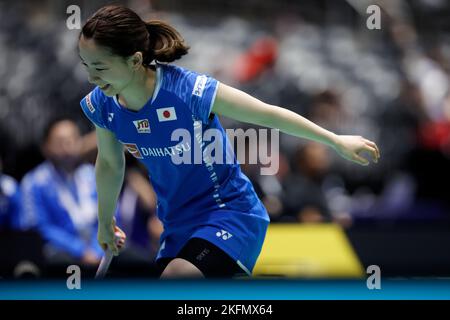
(60, 199)
(10, 203)
(214, 223)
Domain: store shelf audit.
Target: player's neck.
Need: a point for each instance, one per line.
(139, 91)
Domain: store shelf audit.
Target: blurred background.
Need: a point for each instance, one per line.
(330, 218)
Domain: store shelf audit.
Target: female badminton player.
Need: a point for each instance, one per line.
(214, 223)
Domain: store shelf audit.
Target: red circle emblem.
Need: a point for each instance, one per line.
(166, 114)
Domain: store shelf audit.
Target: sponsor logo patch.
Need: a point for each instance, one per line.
(89, 103)
(134, 150)
(199, 86)
(142, 126)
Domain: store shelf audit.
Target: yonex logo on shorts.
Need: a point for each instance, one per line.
(199, 86)
(225, 235)
(89, 103)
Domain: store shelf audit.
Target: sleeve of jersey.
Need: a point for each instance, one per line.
(199, 93)
(92, 107)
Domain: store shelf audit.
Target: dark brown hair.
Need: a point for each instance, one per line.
(123, 32)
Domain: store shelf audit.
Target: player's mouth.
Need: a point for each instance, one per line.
(105, 87)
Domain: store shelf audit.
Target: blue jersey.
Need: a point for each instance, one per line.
(190, 195)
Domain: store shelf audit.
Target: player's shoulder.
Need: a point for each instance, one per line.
(95, 100)
(175, 73)
(172, 75)
(181, 81)
(96, 106)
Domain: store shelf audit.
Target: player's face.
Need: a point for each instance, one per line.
(109, 72)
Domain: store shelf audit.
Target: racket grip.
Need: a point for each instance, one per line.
(105, 262)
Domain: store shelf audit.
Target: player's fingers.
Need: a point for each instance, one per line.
(120, 237)
(373, 152)
(119, 232)
(361, 160)
(374, 145)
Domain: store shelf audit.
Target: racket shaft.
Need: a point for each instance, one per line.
(104, 264)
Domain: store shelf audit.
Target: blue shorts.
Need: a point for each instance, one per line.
(240, 235)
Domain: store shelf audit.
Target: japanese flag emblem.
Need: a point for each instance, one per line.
(166, 114)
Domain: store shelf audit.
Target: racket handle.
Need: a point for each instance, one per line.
(106, 261)
(104, 264)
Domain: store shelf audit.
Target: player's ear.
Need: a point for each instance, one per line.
(136, 60)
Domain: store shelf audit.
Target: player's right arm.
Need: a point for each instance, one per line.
(109, 172)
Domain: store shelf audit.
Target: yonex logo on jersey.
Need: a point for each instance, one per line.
(110, 117)
(225, 235)
(134, 150)
(199, 86)
(166, 114)
(142, 126)
(89, 103)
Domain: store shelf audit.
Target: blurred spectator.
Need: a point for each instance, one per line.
(270, 188)
(304, 195)
(60, 197)
(10, 202)
(326, 110)
(400, 121)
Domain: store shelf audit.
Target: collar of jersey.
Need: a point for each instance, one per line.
(159, 79)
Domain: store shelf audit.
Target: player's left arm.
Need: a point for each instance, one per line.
(236, 104)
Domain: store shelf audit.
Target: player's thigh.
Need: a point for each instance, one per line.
(181, 268)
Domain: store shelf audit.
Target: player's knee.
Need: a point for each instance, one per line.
(180, 268)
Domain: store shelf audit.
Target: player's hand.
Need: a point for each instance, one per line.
(120, 237)
(111, 237)
(351, 147)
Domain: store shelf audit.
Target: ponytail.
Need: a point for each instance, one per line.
(123, 32)
(166, 43)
